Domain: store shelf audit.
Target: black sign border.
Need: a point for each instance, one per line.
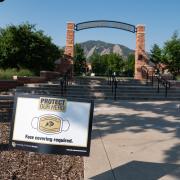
(51, 149)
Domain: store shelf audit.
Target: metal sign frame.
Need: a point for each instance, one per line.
(5, 116)
(105, 24)
(51, 148)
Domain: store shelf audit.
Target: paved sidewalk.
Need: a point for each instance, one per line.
(134, 140)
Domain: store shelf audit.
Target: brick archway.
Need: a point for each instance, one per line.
(140, 53)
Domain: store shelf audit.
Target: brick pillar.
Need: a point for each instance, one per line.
(140, 54)
(69, 50)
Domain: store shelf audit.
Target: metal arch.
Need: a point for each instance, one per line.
(106, 24)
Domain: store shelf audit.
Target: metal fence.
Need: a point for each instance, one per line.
(152, 77)
(113, 82)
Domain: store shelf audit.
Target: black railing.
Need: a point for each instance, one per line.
(113, 82)
(109, 75)
(150, 76)
(162, 81)
(63, 86)
(64, 82)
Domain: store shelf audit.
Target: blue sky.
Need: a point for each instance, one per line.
(161, 18)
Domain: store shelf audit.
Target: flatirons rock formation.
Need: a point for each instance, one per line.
(100, 47)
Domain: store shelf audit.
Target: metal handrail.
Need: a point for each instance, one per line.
(115, 87)
(149, 76)
(164, 82)
(64, 82)
(159, 77)
(113, 82)
(109, 75)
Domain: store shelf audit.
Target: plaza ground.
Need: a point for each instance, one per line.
(135, 140)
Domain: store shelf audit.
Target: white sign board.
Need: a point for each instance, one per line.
(52, 125)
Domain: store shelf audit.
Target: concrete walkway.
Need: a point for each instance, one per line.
(134, 140)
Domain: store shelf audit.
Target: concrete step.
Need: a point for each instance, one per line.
(97, 88)
(109, 91)
(104, 91)
(89, 87)
(126, 97)
(92, 95)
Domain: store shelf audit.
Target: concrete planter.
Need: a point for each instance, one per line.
(9, 84)
(26, 80)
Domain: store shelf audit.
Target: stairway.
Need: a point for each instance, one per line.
(128, 88)
(98, 88)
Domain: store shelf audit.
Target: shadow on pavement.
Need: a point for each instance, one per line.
(164, 118)
(137, 170)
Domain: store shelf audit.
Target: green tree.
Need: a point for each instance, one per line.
(172, 55)
(101, 65)
(156, 54)
(79, 60)
(116, 63)
(129, 65)
(24, 46)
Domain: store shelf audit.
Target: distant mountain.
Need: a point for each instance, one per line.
(100, 47)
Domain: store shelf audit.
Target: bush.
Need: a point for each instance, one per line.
(178, 77)
(25, 72)
(9, 73)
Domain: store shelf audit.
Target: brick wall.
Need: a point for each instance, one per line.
(69, 49)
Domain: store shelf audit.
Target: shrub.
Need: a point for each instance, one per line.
(9, 73)
(25, 72)
(178, 77)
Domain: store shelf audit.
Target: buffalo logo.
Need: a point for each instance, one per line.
(50, 124)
